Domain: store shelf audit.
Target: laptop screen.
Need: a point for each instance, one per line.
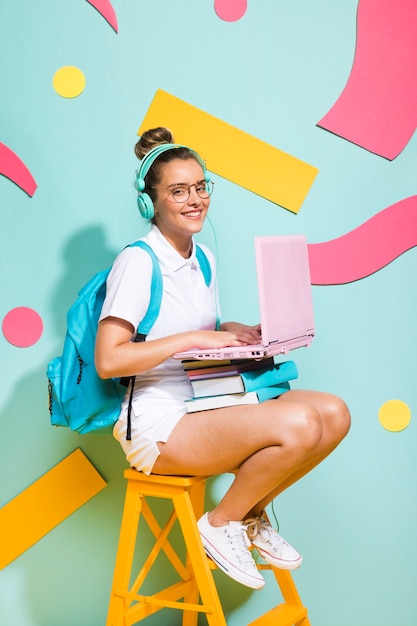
(284, 287)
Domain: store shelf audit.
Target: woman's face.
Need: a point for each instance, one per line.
(179, 221)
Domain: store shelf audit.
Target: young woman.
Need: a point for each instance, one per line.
(270, 445)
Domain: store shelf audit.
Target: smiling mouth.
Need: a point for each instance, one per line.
(192, 213)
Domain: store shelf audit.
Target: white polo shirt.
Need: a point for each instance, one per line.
(187, 304)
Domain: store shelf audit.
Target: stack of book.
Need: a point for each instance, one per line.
(218, 384)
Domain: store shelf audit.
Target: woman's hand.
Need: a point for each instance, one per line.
(245, 334)
(230, 334)
(213, 339)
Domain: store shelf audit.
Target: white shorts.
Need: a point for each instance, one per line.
(146, 430)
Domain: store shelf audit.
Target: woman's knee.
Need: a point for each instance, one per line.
(303, 428)
(338, 416)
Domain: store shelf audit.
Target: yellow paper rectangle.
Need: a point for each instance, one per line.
(232, 153)
(45, 503)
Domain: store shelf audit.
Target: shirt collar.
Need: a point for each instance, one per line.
(170, 259)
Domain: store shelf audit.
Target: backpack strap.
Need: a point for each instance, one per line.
(204, 264)
(207, 273)
(156, 290)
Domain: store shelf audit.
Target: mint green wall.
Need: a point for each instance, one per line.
(273, 74)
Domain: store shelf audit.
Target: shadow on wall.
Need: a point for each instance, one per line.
(85, 254)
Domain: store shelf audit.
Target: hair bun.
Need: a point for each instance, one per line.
(152, 138)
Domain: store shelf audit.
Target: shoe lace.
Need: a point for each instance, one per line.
(240, 543)
(253, 528)
(259, 526)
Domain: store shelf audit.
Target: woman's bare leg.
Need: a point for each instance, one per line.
(335, 418)
(272, 444)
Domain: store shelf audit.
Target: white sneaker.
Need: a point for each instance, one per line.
(270, 545)
(228, 547)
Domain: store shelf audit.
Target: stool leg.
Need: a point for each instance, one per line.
(291, 596)
(197, 496)
(124, 556)
(199, 562)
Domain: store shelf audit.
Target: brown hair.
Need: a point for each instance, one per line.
(152, 138)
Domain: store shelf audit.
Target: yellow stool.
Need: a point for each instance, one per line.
(195, 592)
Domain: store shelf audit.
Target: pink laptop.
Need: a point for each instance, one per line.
(285, 301)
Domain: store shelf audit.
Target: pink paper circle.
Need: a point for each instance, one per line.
(22, 327)
(230, 10)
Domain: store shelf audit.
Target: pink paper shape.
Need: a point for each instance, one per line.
(365, 249)
(230, 10)
(22, 327)
(377, 109)
(105, 8)
(13, 167)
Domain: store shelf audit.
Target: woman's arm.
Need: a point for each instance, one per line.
(116, 355)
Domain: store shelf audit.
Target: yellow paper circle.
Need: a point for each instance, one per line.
(394, 415)
(69, 81)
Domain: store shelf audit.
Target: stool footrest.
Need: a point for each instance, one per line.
(283, 615)
(167, 598)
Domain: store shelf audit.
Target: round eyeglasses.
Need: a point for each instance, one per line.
(181, 193)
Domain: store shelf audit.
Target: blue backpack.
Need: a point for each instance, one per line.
(78, 397)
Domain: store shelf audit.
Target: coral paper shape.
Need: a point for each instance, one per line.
(232, 153)
(105, 8)
(230, 10)
(22, 327)
(377, 109)
(13, 168)
(365, 249)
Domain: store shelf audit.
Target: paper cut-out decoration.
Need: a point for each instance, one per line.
(22, 327)
(105, 8)
(232, 153)
(230, 10)
(394, 415)
(69, 81)
(13, 168)
(377, 109)
(46, 503)
(365, 249)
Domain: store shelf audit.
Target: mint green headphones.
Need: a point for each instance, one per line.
(145, 204)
